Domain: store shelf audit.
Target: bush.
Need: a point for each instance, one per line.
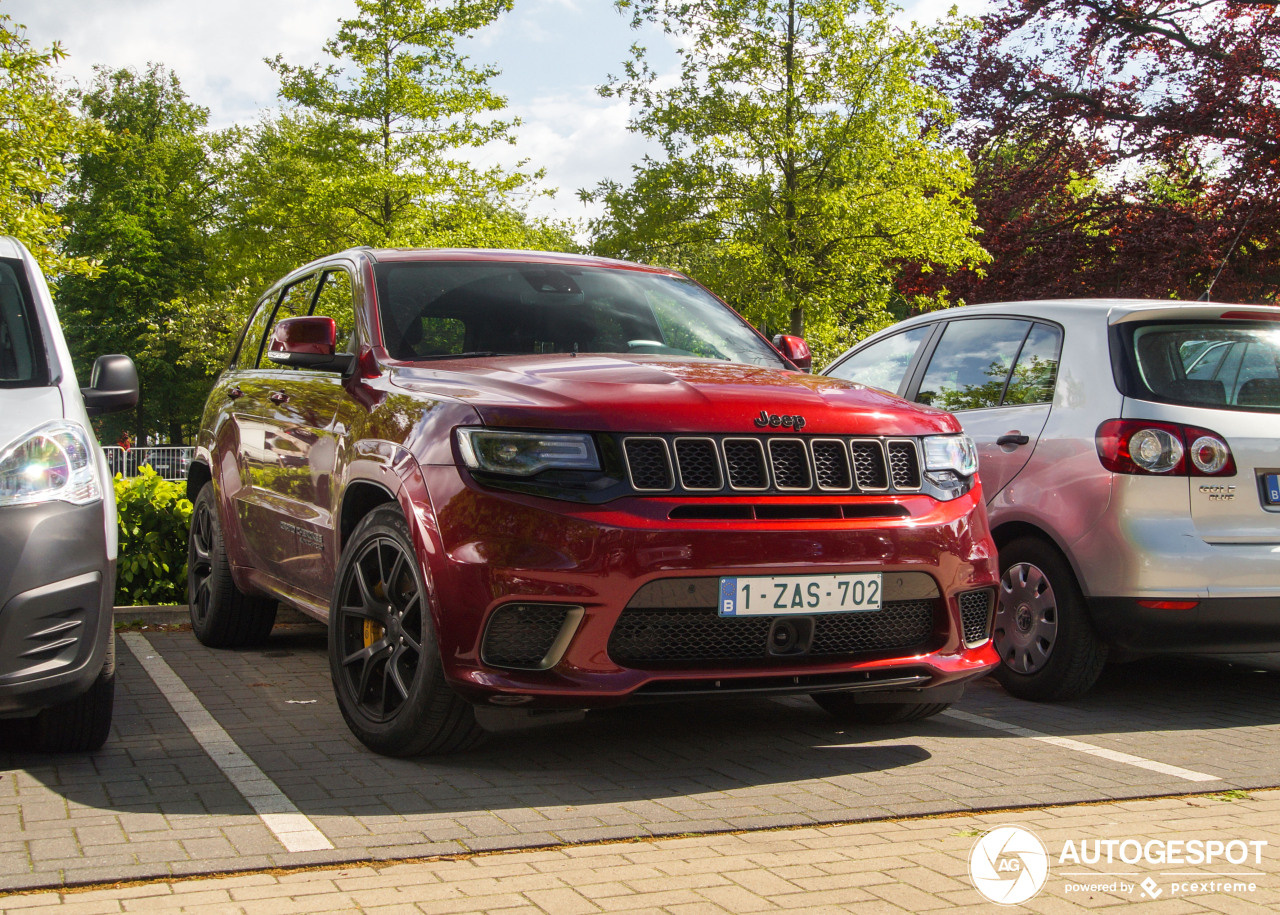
(153, 515)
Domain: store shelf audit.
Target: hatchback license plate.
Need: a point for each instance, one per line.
(1272, 486)
(781, 595)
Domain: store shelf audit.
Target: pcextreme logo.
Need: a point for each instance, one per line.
(1008, 865)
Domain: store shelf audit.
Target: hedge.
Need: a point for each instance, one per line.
(153, 515)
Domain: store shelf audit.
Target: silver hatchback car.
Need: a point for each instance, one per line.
(1130, 455)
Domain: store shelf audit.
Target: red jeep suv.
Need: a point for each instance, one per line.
(520, 485)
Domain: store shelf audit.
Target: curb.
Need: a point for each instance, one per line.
(176, 615)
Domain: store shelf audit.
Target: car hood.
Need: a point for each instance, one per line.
(22, 409)
(653, 394)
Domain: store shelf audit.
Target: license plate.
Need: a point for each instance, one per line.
(1271, 483)
(781, 595)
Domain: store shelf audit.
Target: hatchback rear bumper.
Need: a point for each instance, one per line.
(1215, 624)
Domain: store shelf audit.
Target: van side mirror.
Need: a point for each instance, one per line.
(113, 386)
(795, 349)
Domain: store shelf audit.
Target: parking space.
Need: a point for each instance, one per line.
(241, 760)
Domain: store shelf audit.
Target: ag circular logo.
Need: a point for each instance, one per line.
(1008, 865)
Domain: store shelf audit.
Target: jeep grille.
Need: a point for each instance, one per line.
(734, 463)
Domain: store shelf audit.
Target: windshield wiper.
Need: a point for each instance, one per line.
(470, 355)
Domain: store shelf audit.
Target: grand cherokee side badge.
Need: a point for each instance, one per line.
(787, 422)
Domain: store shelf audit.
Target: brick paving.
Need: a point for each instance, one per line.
(153, 805)
(887, 866)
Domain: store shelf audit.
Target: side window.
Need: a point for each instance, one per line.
(884, 364)
(1036, 370)
(969, 368)
(19, 338)
(251, 345)
(336, 300)
(295, 303)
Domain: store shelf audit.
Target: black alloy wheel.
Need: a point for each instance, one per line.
(222, 616)
(380, 623)
(200, 560)
(387, 673)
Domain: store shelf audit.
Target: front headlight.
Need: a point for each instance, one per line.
(526, 453)
(53, 462)
(955, 453)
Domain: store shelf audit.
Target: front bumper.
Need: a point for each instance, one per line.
(600, 563)
(56, 595)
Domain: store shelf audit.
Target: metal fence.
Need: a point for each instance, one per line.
(170, 461)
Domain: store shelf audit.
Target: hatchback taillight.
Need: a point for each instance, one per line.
(1163, 449)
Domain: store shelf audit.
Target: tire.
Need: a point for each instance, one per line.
(1042, 631)
(843, 707)
(222, 616)
(383, 655)
(81, 724)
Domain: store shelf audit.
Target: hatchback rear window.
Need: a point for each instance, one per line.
(1220, 364)
(21, 353)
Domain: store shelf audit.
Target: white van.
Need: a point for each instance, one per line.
(57, 520)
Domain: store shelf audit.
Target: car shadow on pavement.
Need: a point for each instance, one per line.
(277, 704)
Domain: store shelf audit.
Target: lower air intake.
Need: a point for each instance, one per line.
(693, 636)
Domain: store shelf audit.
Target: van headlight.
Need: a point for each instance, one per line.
(54, 462)
(526, 453)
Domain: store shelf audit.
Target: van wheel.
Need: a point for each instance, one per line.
(222, 616)
(383, 654)
(81, 724)
(1042, 632)
(842, 707)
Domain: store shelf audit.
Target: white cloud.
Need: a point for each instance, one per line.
(217, 49)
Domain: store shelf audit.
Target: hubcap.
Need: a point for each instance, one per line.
(1024, 618)
(199, 562)
(1026, 621)
(379, 628)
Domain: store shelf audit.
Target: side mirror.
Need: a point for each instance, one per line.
(310, 342)
(795, 349)
(112, 387)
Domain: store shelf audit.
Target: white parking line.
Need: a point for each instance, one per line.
(277, 812)
(1081, 747)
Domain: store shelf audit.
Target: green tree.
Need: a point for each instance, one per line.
(801, 163)
(39, 135)
(143, 205)
(372, 148)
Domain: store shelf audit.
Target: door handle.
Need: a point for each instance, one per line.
(1012, 438)
(280, 397)
(233, 393)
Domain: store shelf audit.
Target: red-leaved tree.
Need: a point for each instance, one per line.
(1121, 149)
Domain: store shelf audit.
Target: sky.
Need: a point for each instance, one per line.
(552, 53)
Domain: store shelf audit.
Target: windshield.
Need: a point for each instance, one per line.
(436, 310)
(21, 355)
(1227, 364)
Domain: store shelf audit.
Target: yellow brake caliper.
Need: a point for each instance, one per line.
(374, 630)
